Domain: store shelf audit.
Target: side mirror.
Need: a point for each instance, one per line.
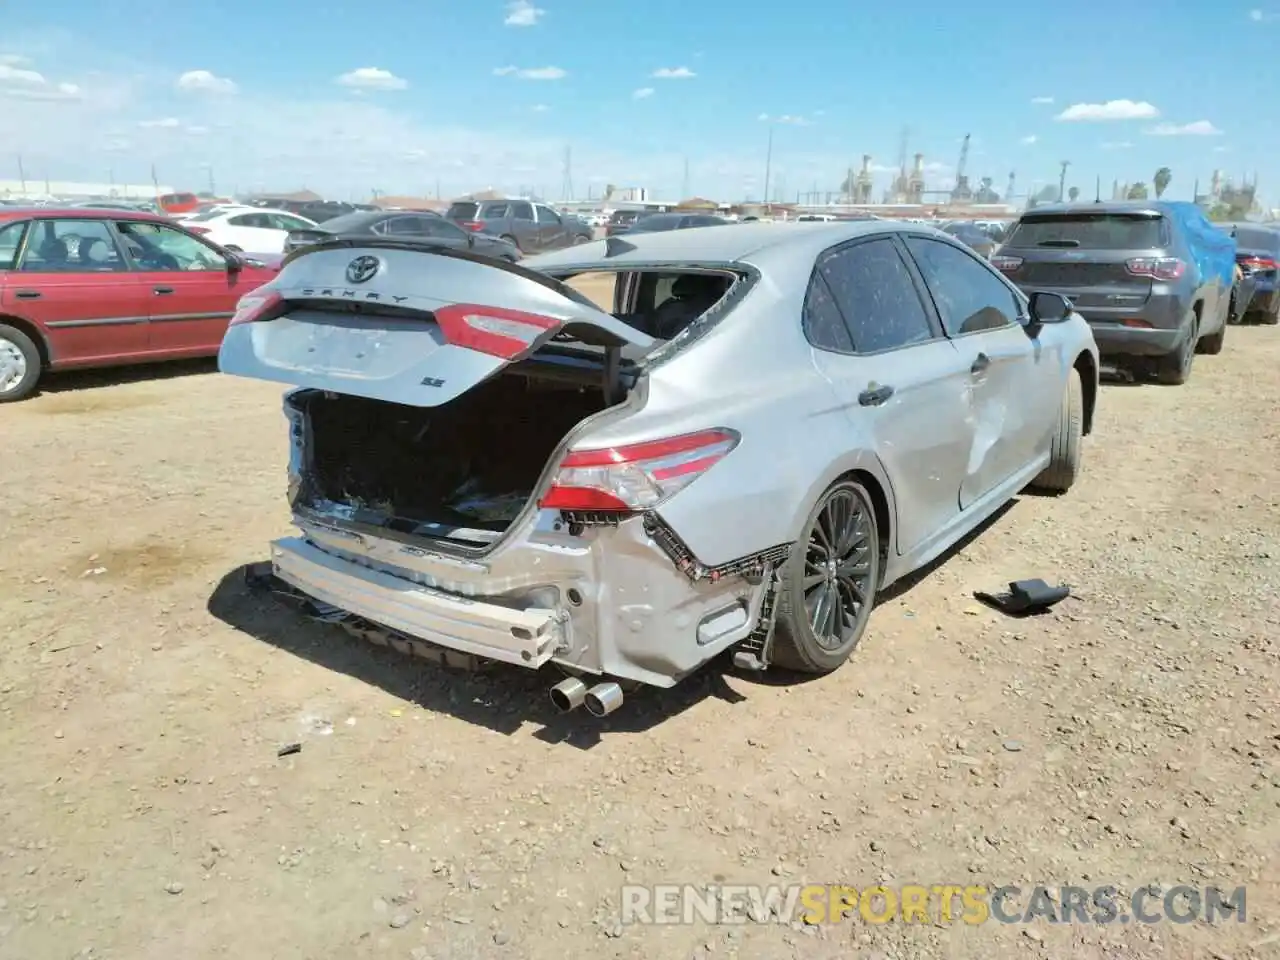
(234, 263)
(1049, 307)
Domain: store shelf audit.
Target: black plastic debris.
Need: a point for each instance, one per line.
(289, 749)
(1024, 598)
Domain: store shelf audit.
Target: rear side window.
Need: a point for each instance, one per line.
(1089, 231)
(10, 240)
(495, 211)
(462, 211)
(876, 296)
(521, 211)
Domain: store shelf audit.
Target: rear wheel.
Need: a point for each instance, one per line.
(1065, 444)
(510, 239)
(829, 582)
(20, 366)
(1212, 343)
(1175, 368)
(1271, 315)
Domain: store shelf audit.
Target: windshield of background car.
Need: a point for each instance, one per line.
(1089, 231)
(356, 222)
(462, 211)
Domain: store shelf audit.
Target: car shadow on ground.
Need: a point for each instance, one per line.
(500, 698)
(72, 381)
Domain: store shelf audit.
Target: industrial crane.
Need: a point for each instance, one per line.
(961, 191)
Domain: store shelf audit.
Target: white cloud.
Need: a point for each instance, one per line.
(522, 13)
(1199, 128)
(1257, 16)
(1042, 99)
(819, 113)
(673, 73)
(13, 59)
(531, 73)
(1111, 110)
(1029, 139)
(11, 74)
(202, 81)
(763, 117)
(165, 123)
(787, 118)
(541, 108)
(372, 78)
(1117, 145)
(197, 130)
(642, 94)
(1222, 149)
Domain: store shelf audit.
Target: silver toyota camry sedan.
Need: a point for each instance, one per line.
(764, 428)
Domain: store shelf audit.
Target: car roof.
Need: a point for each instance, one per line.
(739, 243)
(1151, 207)
(80, 213)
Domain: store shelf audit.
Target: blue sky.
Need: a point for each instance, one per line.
(402, 95)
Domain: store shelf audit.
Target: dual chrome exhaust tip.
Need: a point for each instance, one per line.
(600, 700)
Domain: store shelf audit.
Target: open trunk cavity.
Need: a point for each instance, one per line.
(462, 471)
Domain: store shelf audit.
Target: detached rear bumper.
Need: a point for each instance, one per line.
(526, 638)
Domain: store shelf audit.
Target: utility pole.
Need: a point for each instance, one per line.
(566, 188)
(768, 165)
(22, 174)
(1097, 189)
(684, 184)
(212, 188)
(1062, 180)
(437, 188)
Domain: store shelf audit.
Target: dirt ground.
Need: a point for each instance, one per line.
(1130, 737)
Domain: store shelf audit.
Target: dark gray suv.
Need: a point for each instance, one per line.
(533, 227)
(1154, 279)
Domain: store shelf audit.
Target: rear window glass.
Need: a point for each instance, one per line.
(357, 222)
(463, 211)
(1256, 239)
(1091, 231)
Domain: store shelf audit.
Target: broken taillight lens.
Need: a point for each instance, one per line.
(635, 477)
(493, 330)
(1006, 264)
(1157, 268)
(259, 305)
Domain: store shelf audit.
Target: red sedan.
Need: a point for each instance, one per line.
(93, 288)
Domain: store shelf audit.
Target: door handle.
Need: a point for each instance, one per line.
(980, 364)
(874, 396)
(161, 291)
(28, 294)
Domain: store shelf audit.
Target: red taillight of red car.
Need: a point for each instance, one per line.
(635, 477)
(473, 225)
(1156, 268)
(493, 330)
(1257, 263)
(256, 306)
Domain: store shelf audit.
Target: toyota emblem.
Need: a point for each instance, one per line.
(363, 269)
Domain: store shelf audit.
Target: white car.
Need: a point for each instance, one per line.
(248, 229)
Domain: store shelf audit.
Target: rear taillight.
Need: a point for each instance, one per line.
(1256, 263)
(259, 305)
(492, 330)
(1157, 268)
(635, 477)
(473, 225)
(1006, 264)
(199, 230)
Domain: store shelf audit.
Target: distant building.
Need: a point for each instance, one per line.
(31, 187)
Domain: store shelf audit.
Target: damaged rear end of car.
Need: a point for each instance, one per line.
(444, 478)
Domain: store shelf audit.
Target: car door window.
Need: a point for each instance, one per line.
(406, 227)
(153, 246)
(521, 211)
(548, 216)
(10, 240)
(498, 211)
(824, 327)
(442, 229)
(284, 221)
(969, 296)
(876, 295)
(72, 246)
(260, 220)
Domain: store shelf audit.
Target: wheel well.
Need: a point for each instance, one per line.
(1089, 381)
(32, 331)
(880, 502)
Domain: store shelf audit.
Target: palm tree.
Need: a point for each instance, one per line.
(1138, 191)
(1073, 193)
(1161, 180)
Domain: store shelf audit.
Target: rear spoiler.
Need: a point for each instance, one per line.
(384, 243)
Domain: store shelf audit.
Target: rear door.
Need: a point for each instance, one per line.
(552, 232)
(190, 293)
(71, 279)
(900, 381)
(1013, 381)
(417, 327)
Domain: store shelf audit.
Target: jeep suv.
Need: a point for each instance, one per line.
(1153, 279)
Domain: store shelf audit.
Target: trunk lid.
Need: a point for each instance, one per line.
(406, 324)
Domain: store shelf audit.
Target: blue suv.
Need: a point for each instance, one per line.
(1153, 279)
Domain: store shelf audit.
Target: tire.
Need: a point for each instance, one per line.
(1272, 316)
(579, 240)
(1065, 444)
(20, 365)
(1211, 345)
(796, 645)
(511, 240)
(1175, 368)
